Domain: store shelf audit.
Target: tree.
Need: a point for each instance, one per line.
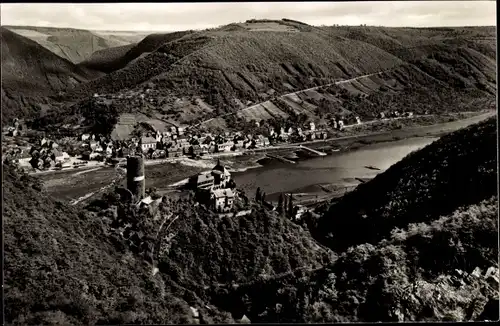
(290, 206)
(263, 198)
(280, 204)
(258, 195)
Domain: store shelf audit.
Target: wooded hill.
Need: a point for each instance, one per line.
(417, 243)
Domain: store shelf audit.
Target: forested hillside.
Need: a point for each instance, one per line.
(457, 170)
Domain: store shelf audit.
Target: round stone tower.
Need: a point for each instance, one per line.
(136, 182)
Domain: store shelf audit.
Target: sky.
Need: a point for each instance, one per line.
(185, 16)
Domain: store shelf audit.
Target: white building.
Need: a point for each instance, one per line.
(148, 143)
(222, 199)
(312, 126)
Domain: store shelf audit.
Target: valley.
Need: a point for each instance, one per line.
(265, 171)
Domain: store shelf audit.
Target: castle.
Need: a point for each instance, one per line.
(214, 188)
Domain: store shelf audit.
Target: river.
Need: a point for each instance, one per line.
(341, 168)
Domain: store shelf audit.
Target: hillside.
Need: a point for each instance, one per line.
(417, 243)
(76, 45)
(457, 170)
(115, 58)
(31, 74)
(64, 266)
(212, 73)
(444, 270)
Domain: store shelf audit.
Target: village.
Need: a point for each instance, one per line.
(36, 152)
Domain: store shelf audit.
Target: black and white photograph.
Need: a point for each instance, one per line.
(249, 162)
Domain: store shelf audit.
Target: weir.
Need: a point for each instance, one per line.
(312, 150)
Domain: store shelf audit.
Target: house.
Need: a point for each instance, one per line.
(224, 147)
(312, 136)
(109, 150)
(341, 125)
(148, 143)
(158, 136)
(95, 156)
(93, 144)
(65, 156)
(312, 126)
(85, 137)
(24, 159)
(56, 155)
(299, 210)
(222, 200)
(290, 130)
(195, 150)
(239, 144)
(182, 141)
(174, 151)
(283, 137)
(180, 131)
(204, 149)
(358, 120)
(98, 148)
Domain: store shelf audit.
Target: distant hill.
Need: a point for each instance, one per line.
(457, 170)
(114, 58)
(31, 74)
(73, 44)
(212, 73)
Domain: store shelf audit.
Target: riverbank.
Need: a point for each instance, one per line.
(65, 185)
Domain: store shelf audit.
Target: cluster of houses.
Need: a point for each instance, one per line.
(16, 129)
(215, 188)
(45, 154)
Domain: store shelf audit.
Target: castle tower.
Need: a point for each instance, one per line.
(136, 182)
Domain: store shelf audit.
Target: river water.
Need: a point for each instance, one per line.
(340, 168)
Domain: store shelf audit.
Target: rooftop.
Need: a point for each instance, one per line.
(219, 193)
(148, 140)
